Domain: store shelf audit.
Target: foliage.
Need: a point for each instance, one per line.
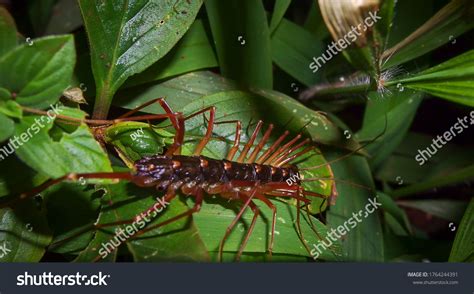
(251, 61)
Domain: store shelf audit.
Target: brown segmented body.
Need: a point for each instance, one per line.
(180, 171)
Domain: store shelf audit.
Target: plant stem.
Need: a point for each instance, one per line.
(102, 103)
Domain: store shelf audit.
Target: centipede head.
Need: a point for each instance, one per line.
(156, 170)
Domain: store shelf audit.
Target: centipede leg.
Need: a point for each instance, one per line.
(210, 127)
(197, 206)
(275, 145)
(298, 226)
(238, 133)
(274, 214)
(260, 145)
(249, 144)
(163, 105)
(236, 219)
(256, 213)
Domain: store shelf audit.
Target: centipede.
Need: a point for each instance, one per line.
(259, 172)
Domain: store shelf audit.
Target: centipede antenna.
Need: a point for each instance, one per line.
(338, 180)
(352, 152)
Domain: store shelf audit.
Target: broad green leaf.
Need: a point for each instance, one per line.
(192, 52)
(463, 247)
(38, 74)
(451, 80)
(242, 39)
(179, 91)
(281, 6)
(127, 37)
(390, 117)
(364, 242)
(7, 32)
(7, 127)
(24, 233)
(451, 21)
(293, 49)
(54, 150)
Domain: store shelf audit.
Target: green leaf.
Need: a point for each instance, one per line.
(135, 140)
(281, 6)
(24, 232)
(242, 38)
(435, 182)
(53, 151)
(391, 117)
(192, 52)
(11, 108)
(293, 49)
(451, 80)
(38, 74)
(127, 37)
(179, 91)
(391, 207)
(451, 21)
(463, 249)
(7, 127)
(365, 241)
(7, 32)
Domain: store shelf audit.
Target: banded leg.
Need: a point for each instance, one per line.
(256, 213)
(197, 206)
(282, 149)
(247, 202)
(210, 127)
(238, 133)
(269, 151)
(163, 105)
(249, 144)
(289, 158)
(270, 205)
(260, 145)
